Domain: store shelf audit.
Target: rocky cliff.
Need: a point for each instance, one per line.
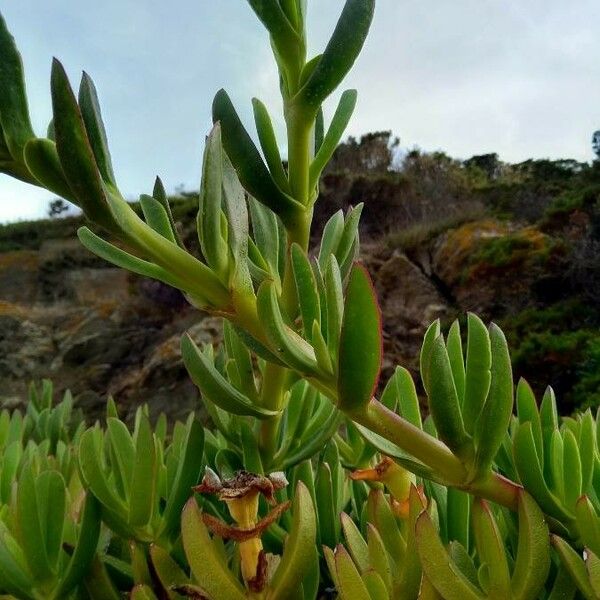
(99, 331)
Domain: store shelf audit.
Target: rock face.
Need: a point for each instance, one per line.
(409, 302)
(94, 329)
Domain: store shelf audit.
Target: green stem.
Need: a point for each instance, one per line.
(498, 489)
(299, 155)
(275, 378)
(271, 396)
(433, 453)
(413, 440)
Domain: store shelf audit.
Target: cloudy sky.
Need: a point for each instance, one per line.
(521, 78)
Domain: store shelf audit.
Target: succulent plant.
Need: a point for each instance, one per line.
(470, 502)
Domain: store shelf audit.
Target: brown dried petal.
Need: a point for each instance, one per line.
(231, 532)
(241, 485)
(257, 583)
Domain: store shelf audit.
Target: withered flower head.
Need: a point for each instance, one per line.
(241, 493)
(242, 485)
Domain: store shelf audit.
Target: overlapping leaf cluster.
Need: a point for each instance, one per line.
(305, 482)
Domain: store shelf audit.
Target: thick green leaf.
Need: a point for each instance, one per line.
(408, 401)
(527, 410)
(478, 376)
(122, 454)
(298, 547)
(42, 161)
(32, 536)
(168, 571)
(122, 259)
(257, 347)
(457, 361)
(143, 483)
(189, 466)
(248, 163)
(52, 501)
(14, 114)
(349, 582)
(14, 570)
(443, 399)
(89, 531)
(157, 217)
(410, 579)
(92, 471)
(325, 504)
(265, 232)
(433, 331)
(345, 252)
(268, 143)
(586, 447)
(340, 121)
(207, 563)
(533, 552)
(361, 350)
(214, 247)
(575, 566)
(530, 472)
(494, 419)
(296, 352)
(92, 118)
(334, 294)
(284, 36)
(572, 468)
(306, 290)
(437, 565)
(380, 515)
(332, 234)
(588, 524)
(378, 556)
(563, 586)
(75, 153)
(458, 509)
(490, 550)
(592, 564)
(319, 131)
(357, 546)
(341, 52)
(214, 387)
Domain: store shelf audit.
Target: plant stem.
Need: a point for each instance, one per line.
(413, 440)
(272, 396)
(436, 455)
(298, 130)
(497, 488)
(276, 378)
